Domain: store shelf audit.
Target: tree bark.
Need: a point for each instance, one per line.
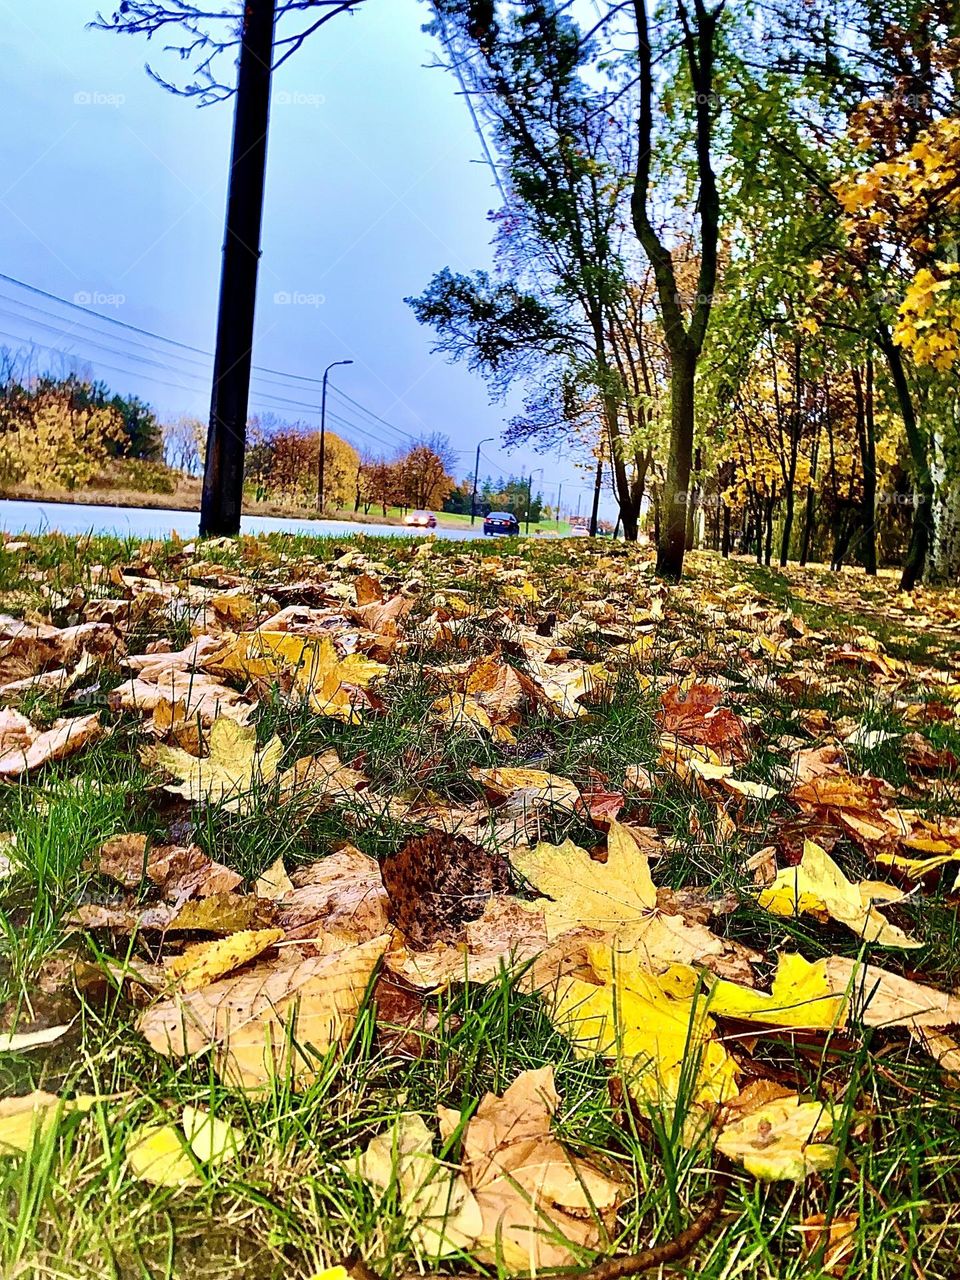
(673, 525)
(921, 527)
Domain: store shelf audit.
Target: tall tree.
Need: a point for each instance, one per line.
(684, 333)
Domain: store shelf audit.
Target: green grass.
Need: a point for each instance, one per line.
(292, 1204)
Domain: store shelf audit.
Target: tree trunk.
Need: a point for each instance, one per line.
(673, 526)
(921, 529)
(943, 561)
(787, 525)
(725, 536)
(870, 478)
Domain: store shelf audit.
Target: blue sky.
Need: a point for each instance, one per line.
(113, 190)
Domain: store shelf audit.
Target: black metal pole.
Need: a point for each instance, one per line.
(222, 499)
(596, 498)
(323, 431)
(476, 476)
(323, 441)
(473, 496)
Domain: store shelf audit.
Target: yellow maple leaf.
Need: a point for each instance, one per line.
(582, 892)
(818, 886)
(801, 995)
(228, 773)
(664, 1042)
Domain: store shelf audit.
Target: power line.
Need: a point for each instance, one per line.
(164, 361)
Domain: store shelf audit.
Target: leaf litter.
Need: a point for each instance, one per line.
(570, 874)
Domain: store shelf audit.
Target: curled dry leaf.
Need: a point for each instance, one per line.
(337, 901)
(181, 697)
(275, 1019)
(833, 1244)
(819, 887)
(178, 871)
(540, 1206)
(696, 715)
(441, 1214)
(23, 747)
(531, 787)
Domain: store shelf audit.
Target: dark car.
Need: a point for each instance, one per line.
(501, 524)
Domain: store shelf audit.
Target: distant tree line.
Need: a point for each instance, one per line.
(511, 495)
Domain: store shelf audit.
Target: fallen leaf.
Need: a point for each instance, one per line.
(664, 1044)
(280, 1016)
(780, 1139)
(179, 871)
(160, 1153)
(879, 998)
(205, 962)
(18, 1042)
(817, 885)
(339, 900)
(833, 1244)
(540, 1205)
(441, 1214)
(22, 747)
(230, 771)
(24, 1120)
(582, 892)
(801, 995)
(274, 883)
(435, 883)
(696, 715)
(533, 786)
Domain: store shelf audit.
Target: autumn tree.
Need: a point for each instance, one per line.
(426, 472)
(52, 435)
(551, 317)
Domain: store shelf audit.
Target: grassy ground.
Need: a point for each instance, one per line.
(290, 1207)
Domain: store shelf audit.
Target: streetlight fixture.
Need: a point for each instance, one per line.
(476, 474)
(534, 472)
(323, 430)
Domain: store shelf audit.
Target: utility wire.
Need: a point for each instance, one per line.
(163, 360)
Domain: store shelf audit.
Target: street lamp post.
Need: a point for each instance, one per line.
(530, 494)
(476, 474)
(323, 430)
